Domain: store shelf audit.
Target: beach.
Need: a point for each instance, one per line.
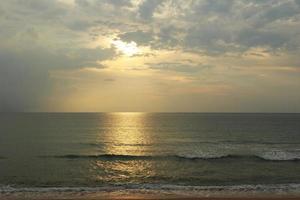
(140, 197)
(140, 194)
(149, 197)
(149, 99)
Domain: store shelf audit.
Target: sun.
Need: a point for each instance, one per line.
(128, 49)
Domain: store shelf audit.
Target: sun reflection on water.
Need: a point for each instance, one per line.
(127, 134)
(123, 171)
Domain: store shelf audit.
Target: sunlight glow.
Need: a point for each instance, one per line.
(126, 136)
(128, 49)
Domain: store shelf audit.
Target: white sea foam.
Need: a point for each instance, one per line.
(274, 155)
(278, 155)
(152, 189)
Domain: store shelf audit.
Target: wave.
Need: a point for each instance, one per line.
(277, 155)
(258, 142)
(166, 189)
(268, 156)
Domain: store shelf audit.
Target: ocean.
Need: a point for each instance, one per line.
(162, 152)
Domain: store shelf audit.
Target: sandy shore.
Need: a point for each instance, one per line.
(220, 198)
(158, 198)
(143, 195)
(216, 198)
(139, 197)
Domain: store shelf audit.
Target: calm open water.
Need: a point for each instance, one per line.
(148, 150)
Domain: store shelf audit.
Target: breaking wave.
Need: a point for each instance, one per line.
(157, 189)
(266, 156)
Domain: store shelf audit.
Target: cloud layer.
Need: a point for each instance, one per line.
(193, 55)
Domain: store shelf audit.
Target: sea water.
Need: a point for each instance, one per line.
(190, 152)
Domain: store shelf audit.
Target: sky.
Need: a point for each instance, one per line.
(150, 55)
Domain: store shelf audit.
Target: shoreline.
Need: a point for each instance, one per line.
(165, 192)
(144, 195)
(147, 197)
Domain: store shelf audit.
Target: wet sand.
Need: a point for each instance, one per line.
(154, 198)
(240, 198)
(143, 195)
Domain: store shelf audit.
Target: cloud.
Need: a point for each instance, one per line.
(281, 11)
(119, 3)
(82, 3)
(178, 67)
(24, 73)
(244, 39)
(147, 8)
(22, 84)
(140, 37)
(109, 80)
(215, 6)
(44, 9)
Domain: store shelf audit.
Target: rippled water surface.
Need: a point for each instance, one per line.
(148, 149)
